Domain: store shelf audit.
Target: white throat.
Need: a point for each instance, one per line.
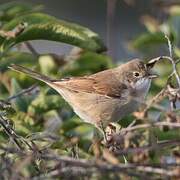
(142, 87)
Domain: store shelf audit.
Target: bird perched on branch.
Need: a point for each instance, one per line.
(106, 96)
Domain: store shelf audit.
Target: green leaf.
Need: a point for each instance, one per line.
(174, 10)
(177, 51)
(87, 63)
(44, 103)
(44, 27)
(11, 10)
(167, 135)
(21, 102)
(48, 66)
(26, 124)
(84, 130)
(174, 23)
(147, 40)
(71, 124)
(22, 58)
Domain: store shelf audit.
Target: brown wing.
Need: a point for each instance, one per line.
(104, 83)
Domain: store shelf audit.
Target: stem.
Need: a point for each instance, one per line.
(175, 72)
(111, 38)
(24, 91)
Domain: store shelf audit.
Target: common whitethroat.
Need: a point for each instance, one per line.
(106, 96)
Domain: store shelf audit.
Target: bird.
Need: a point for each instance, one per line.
(106, 96)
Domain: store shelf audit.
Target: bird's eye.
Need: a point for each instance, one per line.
(136, 74)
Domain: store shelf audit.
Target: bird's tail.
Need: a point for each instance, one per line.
(31, 73)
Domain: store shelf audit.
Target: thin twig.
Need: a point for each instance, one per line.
(163, 92)
(24, 91)
(17, 139)
(154, 100)
(31, 49)
(102, 166)
(175, 72)
(10, 133)
(111, 37)
(107, 167)
(144, 126)
(166, 3)
(103, 130)
(157, 146)
(72, 172)
(12, 150)
(53, 157)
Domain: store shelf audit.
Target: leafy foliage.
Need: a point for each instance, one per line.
(45, 27)
(14, 9)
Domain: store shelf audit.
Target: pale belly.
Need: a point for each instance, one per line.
(107, 115)
(125, 110)
(94, 109)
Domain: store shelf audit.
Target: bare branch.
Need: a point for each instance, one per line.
(107, 167)
(10, 133)
(31, 49)
(154, 100)
(24, 91)
(144, 126)
(166, 3)
(175, 72)
(157, 146)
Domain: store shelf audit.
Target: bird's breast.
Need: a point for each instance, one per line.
(126, 109)
(141, 88)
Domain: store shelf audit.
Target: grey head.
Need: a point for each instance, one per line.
(137, 75)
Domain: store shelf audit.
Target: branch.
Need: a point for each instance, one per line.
(17, 139)
(24, 91)
(111, 37)
(175, 72)
(154, 100)
(10, 132)
(31, 49)
(107, 167)
(156, 146)
(166, 3)
(64, 162)
(166, 90)
(144, 126)
(174, 64)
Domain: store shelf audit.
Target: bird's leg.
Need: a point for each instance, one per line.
(111, 132)
(96, 141)
(98, 134)
(103, 130)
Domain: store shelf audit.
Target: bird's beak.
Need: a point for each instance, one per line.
(152, 62)
(150, 65)
(152, 75)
